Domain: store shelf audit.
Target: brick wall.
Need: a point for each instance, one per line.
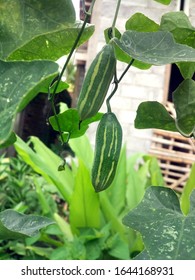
(138, 85)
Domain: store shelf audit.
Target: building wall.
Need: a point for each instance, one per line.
(137, 85)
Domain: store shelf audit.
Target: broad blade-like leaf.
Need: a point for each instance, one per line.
(23, 20)
(166, 232)
(84, 205)
(152, 114)
(184, 101)
(157, 48)
(82, 148)
(14, 225)
(46, 162)
(19, 83)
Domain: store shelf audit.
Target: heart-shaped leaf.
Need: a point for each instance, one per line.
(31, 19)
(157, 48)
(138, 22)
(52, 45)
(69, 121)
(164, 229)
(14, 225)
(184, 101)
(19, 83)
(152, 114)
(184, 33)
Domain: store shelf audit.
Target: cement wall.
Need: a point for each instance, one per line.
(137, 85)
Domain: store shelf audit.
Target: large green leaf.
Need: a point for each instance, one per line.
(164, 229)
(138, 22)
(152, 114)
(184, 33)
(157, 48)
(179, 25)
(84, 204)
(52, 45)
(23, 20)
(83, 150)
(184, 101)
(14, 225)
(19, 83)
(46, 162)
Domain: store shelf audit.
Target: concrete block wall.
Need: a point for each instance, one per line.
(137, 85)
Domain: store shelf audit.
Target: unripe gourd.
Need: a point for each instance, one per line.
(107, 151)
(96, 83)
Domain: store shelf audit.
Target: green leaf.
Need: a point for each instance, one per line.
(164, 229)
(14, 225)
(46, 162)
(83, 150)
(19, 83)
(108, 34)
(31, 19)
(140, 22)
(152, 114)
(52, 45)
(184, 101)
(69, 121)
(165, 2)
(61, 86)
(157, 48)
(84, 204)
(179, 25)
(119, 248)
(184, 33)
(187, 190)
(11, 139)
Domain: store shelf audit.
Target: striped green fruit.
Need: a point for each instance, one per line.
(107, 151)
(96, 83)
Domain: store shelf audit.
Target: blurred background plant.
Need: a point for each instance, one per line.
(88, 225)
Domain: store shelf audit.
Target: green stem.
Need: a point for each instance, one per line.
(115, 18)
(127, 68)
(87, 15)
(112, 93)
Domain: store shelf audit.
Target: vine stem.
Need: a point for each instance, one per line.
(115, 17)
(87, 15)
(116, 83)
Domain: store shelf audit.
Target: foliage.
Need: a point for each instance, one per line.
(29, 49)
(94, 219)
(164, 228)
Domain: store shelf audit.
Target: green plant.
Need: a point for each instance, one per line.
(28, 63)
(94, 219)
